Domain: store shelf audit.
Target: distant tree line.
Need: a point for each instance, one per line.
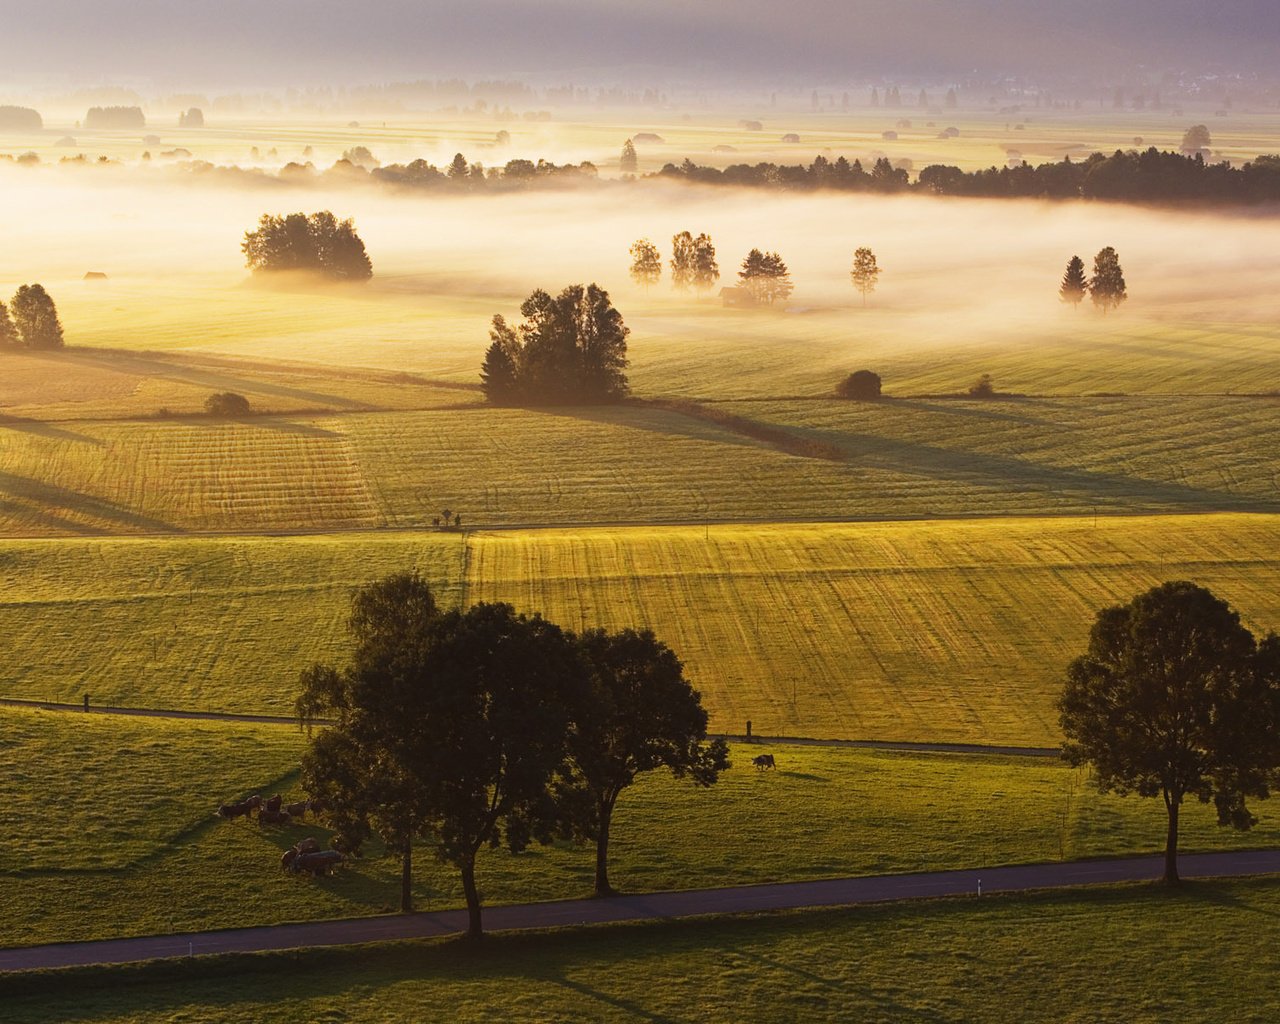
(115, 117)
(567, 350)
(20, 119)
(30, 320)
(318, 242)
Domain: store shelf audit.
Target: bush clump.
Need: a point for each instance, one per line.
(861, 385)
(226, 404)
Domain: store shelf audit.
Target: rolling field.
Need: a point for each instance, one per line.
(638, 464)
(1124, 955)
(932, 631)
(133, 847)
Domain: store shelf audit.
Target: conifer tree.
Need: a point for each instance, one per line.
(629, 163)
(1074, 285)
(8, 333)
(765, 277)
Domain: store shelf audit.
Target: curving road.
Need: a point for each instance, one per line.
(662, 905)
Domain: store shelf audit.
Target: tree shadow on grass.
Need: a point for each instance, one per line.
(46, 430)
(26, 489)
(1219, 896)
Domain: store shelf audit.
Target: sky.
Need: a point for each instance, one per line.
(218, 43)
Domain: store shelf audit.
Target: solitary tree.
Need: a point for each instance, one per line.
(8, 333)
(1074, 285)
(372, 767)
(706, 271)
(646, 263)
(1196, 139)
(226, 404)
(639, 714)
(1174, 698)
(629, 163)
(864, 272)
(765, 277)
(1107, 287)
(861, 385)
(683, 261)
(36, 318)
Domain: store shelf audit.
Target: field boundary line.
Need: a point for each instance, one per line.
(691, 903)
(922, 746)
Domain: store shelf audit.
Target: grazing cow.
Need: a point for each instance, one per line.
(296, 810)
(287, 858)
(317, 863)
(266, 817)
(763, 762)
(272, 803)
(309, 845)
(233, 811)
(253, 802)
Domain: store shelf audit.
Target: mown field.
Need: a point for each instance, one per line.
(955, 630)
(639, 464)
(1125, 954)
(133, 848)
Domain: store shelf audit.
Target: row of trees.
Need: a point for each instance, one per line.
(567, 350)
(1106, 288)
(1149, 176)
(30, 320)
(465, 730)
(317, 242)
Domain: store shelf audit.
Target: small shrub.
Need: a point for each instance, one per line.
(226, 404)
(983, 387)
(862, 385)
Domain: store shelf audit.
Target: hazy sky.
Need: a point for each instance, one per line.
(229, 42)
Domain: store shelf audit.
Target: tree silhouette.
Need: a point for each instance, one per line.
(1107, 287)
(1174, 698)
(765, 277)
(683, 261)
(639, 714)
(317, 242)
(862, 385)
(1074, 285)
(36, 318)
(628, 163)
(706, 271)
(864, 273)
(8, 333)
(646, 263)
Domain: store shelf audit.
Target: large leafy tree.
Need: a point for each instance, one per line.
(1107, 287)
(570, 349)
(864, 272)
(374, 766)
(1074, 286)
(765, 277)
(640, 714)
(35, 318)
(499, 709)
(1173, 698)
(646, 263)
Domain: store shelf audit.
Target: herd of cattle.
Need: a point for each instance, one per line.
(303, 856)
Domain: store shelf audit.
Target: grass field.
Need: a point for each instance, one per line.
(638, 464)
(956, 631)
(1125, 955)
(133, 847)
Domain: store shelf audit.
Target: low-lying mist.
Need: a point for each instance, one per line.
(953, 270)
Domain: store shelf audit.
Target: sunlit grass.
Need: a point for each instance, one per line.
(137, 850)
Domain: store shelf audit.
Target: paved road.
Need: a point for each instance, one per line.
(663, 905)
(799, 741)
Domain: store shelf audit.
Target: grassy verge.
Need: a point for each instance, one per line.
(145, 855)
(1124, 954)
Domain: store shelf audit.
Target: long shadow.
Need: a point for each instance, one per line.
(1209, 892)
(21, 487)
(663, 422)
(617, 1003)
(214, 380)
(896, 1010)
(986, 411)
(48, 430)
